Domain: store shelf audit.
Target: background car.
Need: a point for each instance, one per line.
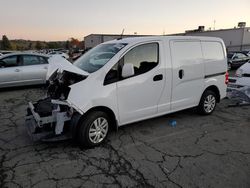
(247, 52)
(243, 74)
(66, 56)
(236, 59)
(18, 69)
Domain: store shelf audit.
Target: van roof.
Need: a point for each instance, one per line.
(149, 38)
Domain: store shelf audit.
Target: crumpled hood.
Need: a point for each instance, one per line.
(58, 63)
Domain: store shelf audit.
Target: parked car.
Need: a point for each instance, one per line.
(242, 77)
(1, 54)
(236, 59)
(247, 52)
(64, 55)
(238, 89)
(128, 80)
(4, 52)
(18, 69)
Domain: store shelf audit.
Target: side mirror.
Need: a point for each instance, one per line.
(128, 70)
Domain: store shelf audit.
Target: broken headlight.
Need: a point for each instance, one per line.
(59, 84)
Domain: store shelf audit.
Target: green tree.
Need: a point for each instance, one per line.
(38, 45)
(30, 46)
(67, 45)
(6, 43)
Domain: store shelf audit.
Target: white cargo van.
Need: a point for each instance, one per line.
(128, 80)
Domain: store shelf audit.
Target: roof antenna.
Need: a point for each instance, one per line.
(121, 35)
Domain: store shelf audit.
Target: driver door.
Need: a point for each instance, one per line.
(9, 71)
(138, 96)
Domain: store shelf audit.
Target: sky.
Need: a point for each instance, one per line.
(54, 20)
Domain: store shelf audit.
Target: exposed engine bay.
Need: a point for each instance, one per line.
(59, 83)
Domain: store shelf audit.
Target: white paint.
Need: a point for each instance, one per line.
(139, 97)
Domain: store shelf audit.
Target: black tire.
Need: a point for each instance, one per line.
(84, 136)
(203, 107)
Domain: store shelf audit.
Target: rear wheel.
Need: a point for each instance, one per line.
(207, 103)
(94, 129)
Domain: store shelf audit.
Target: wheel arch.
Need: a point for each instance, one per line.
(79, 118)
(216, 90)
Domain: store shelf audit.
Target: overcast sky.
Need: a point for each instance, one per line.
(62, 19)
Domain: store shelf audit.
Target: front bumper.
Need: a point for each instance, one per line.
(34, 132)
(48, 125)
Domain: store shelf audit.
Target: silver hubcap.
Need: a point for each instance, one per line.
(98, 130)
(209, 103)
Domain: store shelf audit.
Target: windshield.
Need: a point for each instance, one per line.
(97, 57)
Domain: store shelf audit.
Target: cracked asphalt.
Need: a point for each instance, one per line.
(201, 151)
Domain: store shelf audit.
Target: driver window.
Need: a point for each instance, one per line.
(143, 57)
(10, 61)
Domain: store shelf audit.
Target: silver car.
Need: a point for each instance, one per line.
(18, 69)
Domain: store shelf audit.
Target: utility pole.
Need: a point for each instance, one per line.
(214, 24)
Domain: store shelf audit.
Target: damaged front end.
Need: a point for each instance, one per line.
(59, 83)
(49, 120)
(53, 118)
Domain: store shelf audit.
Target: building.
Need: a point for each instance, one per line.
(93, 40)
(235, 39)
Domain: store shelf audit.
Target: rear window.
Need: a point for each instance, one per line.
(30, 60)
(212, 50)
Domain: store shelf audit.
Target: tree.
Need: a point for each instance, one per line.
(67, 45)
(38, 45)
(75, 43)
(53, 45)
(6, 43)
(30, 46)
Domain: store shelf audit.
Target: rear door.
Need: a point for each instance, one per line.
(9, 71)
(188, 73)
(34, 69)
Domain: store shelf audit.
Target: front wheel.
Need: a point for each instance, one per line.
(93, 130)
(207, 103)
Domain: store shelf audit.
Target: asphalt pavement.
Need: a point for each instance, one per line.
(201, 151)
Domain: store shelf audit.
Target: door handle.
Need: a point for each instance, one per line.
(181, 73)
(17, 70)
(46, 68)
(158, 77)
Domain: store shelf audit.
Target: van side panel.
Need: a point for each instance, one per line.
(214, 58)
(215, 61)
(188, 73)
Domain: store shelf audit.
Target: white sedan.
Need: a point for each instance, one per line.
(243, 75)
(64, 55)
(18, 69)
(239, 86)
